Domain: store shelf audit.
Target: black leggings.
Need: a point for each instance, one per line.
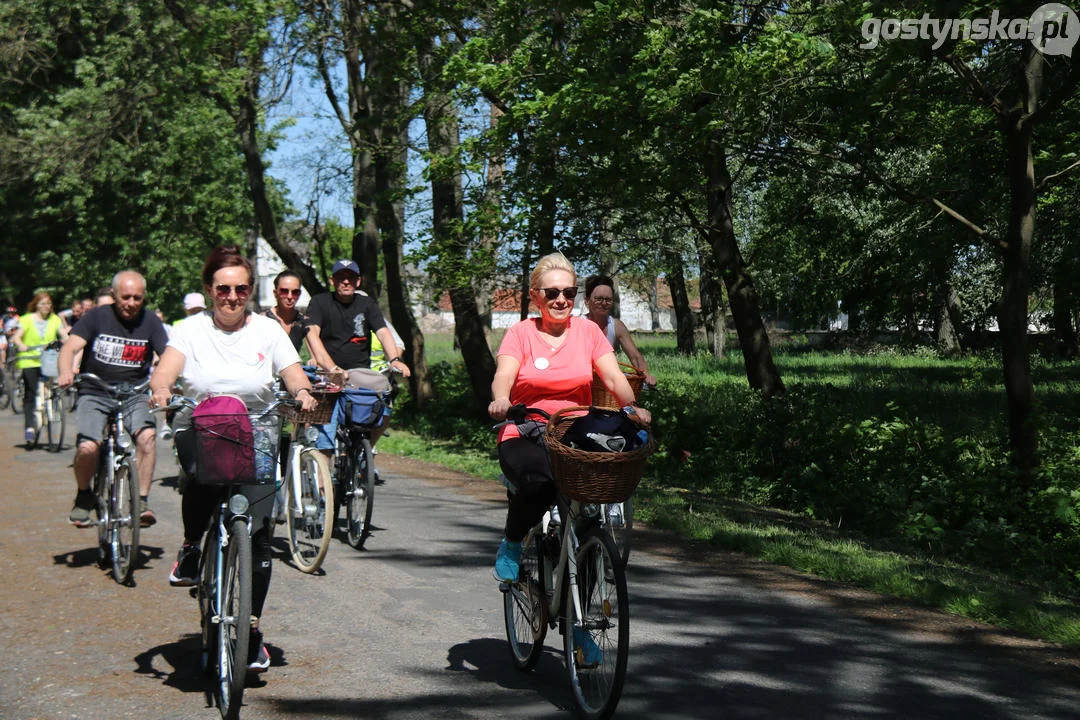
(526, 465)
(30, 376)
(197, 507)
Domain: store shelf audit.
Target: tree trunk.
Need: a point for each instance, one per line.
(684, 316)
(365, 241)
(489, 234)
(448, 216)
(654, 304)
(949, 322)
(1013, 313)
(761, 371)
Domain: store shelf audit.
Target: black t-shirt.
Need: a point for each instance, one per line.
(345, 330)
(298, 331)
(119, 351)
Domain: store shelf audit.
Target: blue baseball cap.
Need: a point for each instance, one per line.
(345, 265)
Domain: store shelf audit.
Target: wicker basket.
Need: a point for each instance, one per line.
(319, 416)
(592, 477)
(602, 397)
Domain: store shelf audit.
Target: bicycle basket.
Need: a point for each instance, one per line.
(602, 397)
(592, 477)
(49, 363)
(365, 407)
(320, 415)
(235, 448)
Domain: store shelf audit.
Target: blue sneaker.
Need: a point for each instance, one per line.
(586, 653)
(506, 561)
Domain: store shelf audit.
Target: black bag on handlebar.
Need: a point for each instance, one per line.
(602, 430)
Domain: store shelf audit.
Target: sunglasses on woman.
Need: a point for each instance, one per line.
(223, 291)
(551, 293)
(286, 292)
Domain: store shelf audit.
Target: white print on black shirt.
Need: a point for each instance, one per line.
(120, 351)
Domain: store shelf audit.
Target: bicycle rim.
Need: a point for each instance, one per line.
(525, 608)
(18, 393)
(621, 530)
(601, 582)
(234, 626)
(360, 501)
(124, 520)
(207, 596)
(310, 528)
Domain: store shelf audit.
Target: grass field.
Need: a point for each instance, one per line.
(885, 469)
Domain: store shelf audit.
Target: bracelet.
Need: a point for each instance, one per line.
(302, 390)
(397, 359)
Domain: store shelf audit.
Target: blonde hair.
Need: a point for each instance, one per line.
(554, 261)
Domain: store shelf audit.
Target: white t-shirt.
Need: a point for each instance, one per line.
(242, 363)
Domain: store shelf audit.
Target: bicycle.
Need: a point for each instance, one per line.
(354, 459)
(225, 572)
(5, 387)
(571, 576)
(308, 487)
(49, 403)
(116, 481)
(14, 382)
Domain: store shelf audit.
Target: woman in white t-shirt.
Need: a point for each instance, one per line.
(227, 349)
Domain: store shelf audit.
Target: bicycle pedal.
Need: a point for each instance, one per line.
(505, 587)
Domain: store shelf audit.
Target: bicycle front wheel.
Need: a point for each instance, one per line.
(525, 607)
(310, 525)
(596, 642)
(56, 417)
(103, 484)
(360, 497)
(234, 625)
(124, 520)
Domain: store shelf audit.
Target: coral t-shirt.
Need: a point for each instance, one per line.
(552, 378)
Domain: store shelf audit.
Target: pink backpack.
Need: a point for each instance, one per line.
(224, 441)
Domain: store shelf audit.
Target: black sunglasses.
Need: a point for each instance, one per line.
(295, 292)
(223, 291)
(551, 293)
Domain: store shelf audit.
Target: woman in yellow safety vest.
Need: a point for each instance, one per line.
(37, 328)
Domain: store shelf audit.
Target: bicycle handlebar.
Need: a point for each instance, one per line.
(123, 388)
(518, 413)
(177, 402)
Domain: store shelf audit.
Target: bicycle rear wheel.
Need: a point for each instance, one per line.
(234, 625)
(124, 520)
(310, 528)
(525, 607)
(360, 497)
(597, 674)
(56, 417)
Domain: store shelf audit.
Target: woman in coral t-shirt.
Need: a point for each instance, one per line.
(547, 363)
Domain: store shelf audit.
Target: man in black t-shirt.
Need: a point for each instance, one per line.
(339, 335)
(118, 343)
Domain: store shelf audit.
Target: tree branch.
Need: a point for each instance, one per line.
(983, 93)
(1046, 180)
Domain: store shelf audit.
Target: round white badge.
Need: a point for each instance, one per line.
(541, 363)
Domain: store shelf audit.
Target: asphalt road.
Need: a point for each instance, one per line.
(412, 627)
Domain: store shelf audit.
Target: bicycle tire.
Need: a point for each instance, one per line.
(525, 608)
(206, 592)
(360, 498)
(310, 532)
(124, 520)
(600, 572)
(5, 388)
(234, 626)
(56, 416)
(621, 532)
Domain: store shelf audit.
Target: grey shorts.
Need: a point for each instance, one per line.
(91, 411)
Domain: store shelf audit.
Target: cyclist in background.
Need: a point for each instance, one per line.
(37, 328)
(120, 342)
(343, 324)
(599, 300)
(292, 321)
(227, 349)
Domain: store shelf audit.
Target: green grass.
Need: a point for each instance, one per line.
(885, 469)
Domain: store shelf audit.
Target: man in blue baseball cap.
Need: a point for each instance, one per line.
(339, 337)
